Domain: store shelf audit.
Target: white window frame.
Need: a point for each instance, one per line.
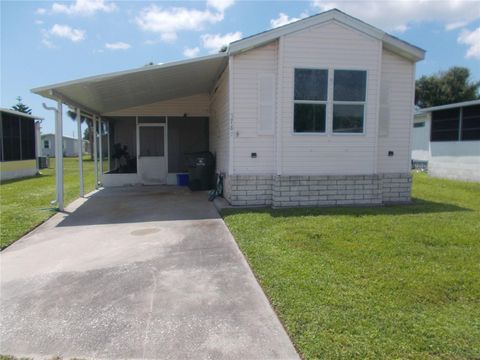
(323, 102)
(364, 103)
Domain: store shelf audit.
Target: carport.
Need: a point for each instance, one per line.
(109, 102)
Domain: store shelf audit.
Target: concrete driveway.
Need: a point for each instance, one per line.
(139, 272)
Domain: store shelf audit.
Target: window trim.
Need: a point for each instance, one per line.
(330, 102)
(313, 102)
(364, 103)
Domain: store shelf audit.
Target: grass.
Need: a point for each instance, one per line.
(25, 203)
(398, 282)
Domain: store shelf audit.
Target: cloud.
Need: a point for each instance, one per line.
(472, 39)
(168, 22)
(61, 31)
(119, 45)
(84, 7)
(455, 25)
(391, 15)
(40, 11)
(191, 52)
(283, 19)
(38, 22)
(214, 42)
(220, 5)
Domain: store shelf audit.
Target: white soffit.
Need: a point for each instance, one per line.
(146, 85)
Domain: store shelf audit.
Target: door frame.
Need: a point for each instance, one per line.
(165, 144)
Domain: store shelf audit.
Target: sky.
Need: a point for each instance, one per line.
(46, 42)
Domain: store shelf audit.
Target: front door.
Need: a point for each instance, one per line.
(152, 159)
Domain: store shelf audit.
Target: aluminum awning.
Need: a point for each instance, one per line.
(115, 91)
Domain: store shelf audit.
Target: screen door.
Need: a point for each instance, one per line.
(152, 160)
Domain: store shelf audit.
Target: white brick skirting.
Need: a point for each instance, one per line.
(290, 191)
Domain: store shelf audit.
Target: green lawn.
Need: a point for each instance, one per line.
(399, 282)
(25, 203)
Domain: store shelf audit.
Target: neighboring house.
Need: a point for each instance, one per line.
(316, 112)
(447, 139)
(70, 145)
(19, 135)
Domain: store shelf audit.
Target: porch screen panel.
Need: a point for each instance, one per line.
(185, 135)
(152, 141)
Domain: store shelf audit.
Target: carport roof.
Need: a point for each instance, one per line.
(145, 85)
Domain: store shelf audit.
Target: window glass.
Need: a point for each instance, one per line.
(311, 84)
(445, 124)
(419, 124)
(349, 85)
(348, 118)
(471, 123)
(309, 117)
(46, 144)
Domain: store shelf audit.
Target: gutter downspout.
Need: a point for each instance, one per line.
(58, 152)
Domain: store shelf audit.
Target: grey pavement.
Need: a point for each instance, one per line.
(135, 273)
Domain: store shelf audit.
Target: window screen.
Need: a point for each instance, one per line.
(152, 141)
(349, 85)
(11, 137)
(445, 125)
(27, 128)
(311, 84)
(471, 123)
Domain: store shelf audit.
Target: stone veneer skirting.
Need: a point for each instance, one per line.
(289, 190)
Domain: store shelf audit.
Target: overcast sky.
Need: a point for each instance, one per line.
(44, 42)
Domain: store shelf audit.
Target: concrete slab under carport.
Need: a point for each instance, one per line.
(138, 272)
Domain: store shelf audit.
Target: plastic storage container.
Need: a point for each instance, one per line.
(182, 179)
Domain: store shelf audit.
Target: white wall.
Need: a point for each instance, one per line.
(219, 122)
(396, 113)
(329, 46)
(195, 105)
(421, 139)
(455, 160)
(247, 140)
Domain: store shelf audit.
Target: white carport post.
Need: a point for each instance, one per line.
(100, 150)
(80, 152)
(59, 154)
(95, 166)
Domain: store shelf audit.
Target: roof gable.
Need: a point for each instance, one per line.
(390, 42)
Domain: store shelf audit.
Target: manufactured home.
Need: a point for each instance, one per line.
(446, 140)
(19, 139)
(316, 112)
(69, 146)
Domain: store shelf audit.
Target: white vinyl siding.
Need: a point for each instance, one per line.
(329, 46)
(219, 123)
(266, 103)
(247, 137)
(396, 109)
(195, 105)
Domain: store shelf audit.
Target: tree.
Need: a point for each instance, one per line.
(446, 87)
(21, 107)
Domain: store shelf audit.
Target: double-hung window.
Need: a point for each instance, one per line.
(310, 100)
(349, 96)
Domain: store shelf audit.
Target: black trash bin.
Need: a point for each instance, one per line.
(201, 167)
